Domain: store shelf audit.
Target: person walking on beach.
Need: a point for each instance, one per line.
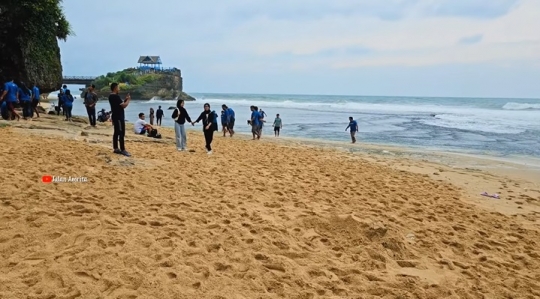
(353, 128)
(159, 116)
(118, 119)
(224, 123)
(68, 104)
(25, 99)
(278, 125)
(90, 101)
(36, 98)
(180, 116)
(11, 96)
(60, 102)
(255, 123)
(230, 118)
(152, 116)
(209, 119)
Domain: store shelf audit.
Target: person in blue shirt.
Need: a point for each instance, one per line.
(353, 127)
(4, 110)
(68, 104)
(25, 98)
(35, 99)
(255, 123)
(224, 122)
(11, 96)
(230, 119)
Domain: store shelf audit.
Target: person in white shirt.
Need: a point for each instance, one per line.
(141, 127)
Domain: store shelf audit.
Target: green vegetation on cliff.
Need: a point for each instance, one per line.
(29, 33)
(144, 85)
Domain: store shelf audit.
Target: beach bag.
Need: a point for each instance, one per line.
(152, 133)
(178, 115)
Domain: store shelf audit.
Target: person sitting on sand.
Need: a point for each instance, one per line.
(353, 126)
(141, 126)
(277, 125)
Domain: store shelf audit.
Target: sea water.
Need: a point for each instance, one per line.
(500, 127)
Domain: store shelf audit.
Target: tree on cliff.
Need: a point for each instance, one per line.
(29, 33)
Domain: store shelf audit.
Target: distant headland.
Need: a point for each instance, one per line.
(144, 82)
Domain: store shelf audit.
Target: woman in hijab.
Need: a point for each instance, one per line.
(180, 117)
(209, 119)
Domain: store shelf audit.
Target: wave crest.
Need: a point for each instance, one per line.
(521, 106)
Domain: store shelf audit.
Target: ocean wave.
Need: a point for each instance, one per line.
(159, 100)
(521, 106)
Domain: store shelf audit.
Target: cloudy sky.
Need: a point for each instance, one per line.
(477, 48)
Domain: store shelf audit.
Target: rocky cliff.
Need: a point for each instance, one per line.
(29, 32)
(144, 85)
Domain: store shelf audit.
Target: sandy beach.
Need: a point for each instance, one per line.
(269, 219)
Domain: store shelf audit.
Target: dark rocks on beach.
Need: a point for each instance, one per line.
(171, 108)
(51, 112)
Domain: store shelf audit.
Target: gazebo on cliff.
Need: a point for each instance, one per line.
(149, 63)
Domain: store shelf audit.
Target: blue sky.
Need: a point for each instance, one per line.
(474, 48)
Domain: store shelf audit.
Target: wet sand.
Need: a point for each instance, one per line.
(258, 219)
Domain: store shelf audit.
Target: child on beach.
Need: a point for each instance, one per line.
(353, 126)
(277, 125)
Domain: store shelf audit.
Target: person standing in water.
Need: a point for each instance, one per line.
(118, 119)
(277, 125)
(180, 116)
(159, 116)
(209, 119)
(152, 115)
(35, 99)
(353, 127)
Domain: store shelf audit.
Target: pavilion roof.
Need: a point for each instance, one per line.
(149, 60)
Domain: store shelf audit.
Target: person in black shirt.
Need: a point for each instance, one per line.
(159, 116)
(209, 126)
(118, 119)
(180, 116)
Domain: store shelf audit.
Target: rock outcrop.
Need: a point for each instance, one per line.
(29, 33)
(166, 85)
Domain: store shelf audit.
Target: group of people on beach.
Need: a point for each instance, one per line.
(17, 94)
(208, 117)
